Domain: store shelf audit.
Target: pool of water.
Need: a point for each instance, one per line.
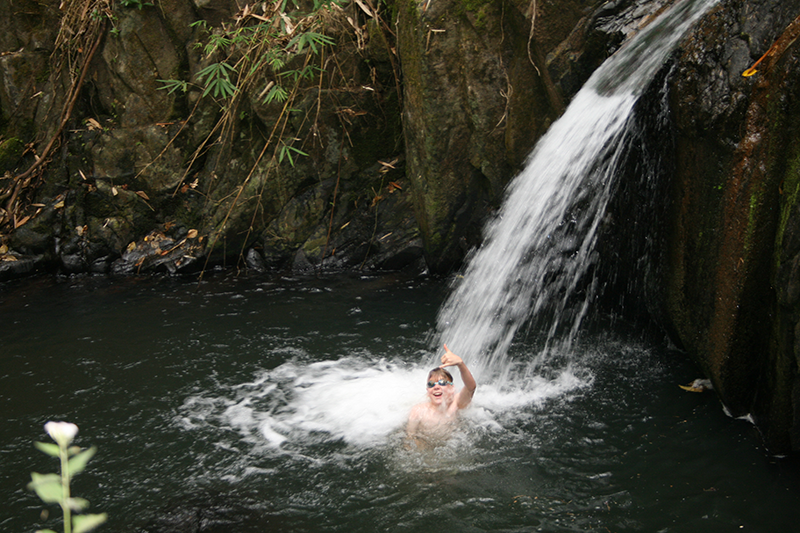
(277, 404)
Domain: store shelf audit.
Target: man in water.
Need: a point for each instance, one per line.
(431, 422)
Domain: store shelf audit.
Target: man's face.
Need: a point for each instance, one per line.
(442, 390)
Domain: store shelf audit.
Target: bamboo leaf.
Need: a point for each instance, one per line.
(218, 82)
(277, 94)
(286, 151)
(297, 150)
(172, 86)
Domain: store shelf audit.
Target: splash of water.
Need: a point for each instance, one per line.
(355, 400)
(536, 261)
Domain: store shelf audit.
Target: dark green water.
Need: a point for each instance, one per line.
(277, 405)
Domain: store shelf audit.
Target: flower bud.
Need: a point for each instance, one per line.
(61, 432)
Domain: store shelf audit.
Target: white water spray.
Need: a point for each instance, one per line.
(541, 245)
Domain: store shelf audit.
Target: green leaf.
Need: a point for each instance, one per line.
(47, 486)
(173, 85)
(310, 39)
(48, 448)
(277, 94)
(216, 41)
(220, 87)
(45, 531)
(219, 81)
(77, 504)
(297, 151)
(78, 463)
(309, 71)
(215, 70)
(286, 151)
(86, 522)
(275, 61)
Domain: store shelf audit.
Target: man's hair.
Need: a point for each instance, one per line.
(440, 371)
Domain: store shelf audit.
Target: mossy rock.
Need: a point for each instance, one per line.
(10, 153)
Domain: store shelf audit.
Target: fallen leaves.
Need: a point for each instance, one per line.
(93, 125)
(698, 385)
(157, 250)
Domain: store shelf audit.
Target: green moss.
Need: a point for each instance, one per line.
(753, 218)
(10, 153)
(790, 184)
(482, 10)
(791, 195)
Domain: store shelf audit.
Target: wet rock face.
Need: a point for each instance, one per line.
(478, 93)
(480, 86)
(26, 40)
(729, 280)
(141, 165)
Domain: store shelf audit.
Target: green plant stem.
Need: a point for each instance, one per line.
(64, 456)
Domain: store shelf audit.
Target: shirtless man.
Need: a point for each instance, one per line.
(431, 422)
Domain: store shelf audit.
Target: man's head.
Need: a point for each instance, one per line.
(439, 373)
(440, 386)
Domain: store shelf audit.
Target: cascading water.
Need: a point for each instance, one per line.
(541, 246)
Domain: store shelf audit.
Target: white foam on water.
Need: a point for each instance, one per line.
(355, 400)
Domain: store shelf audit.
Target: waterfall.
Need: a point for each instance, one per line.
(538, 253)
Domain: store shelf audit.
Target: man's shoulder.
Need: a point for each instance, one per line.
(418, 410)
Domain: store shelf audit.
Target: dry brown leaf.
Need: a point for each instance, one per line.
(287, 24)
(369, 13)
(131, 247)
(192, 234)
(142, 194)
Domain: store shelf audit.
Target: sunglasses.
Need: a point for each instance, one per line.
(441, 383)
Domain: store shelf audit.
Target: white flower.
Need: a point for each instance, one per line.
(61, 432)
